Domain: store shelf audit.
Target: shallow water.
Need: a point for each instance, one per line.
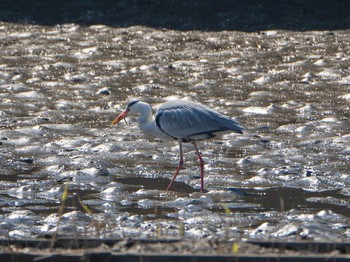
(286, 177)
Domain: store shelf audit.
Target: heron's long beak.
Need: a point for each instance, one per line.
(120, 117)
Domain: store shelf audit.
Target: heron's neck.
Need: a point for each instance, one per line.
(145, 117)
(146, 121)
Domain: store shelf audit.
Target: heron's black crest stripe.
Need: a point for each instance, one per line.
(133, 103)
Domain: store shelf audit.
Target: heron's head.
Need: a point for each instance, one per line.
(132, 108)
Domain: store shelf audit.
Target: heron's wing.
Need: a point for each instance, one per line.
(182, 120)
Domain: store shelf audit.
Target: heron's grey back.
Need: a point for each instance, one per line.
(183, 119)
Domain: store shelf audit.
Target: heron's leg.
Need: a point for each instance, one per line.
(201, 164)
(181, 163)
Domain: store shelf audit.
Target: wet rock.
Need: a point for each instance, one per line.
(104, 91)
(289, 230)
(264, 230)
(346, 96)
(65, 230)
(263, 80)
(113, 193)
(256, 110)
(75, 217)
(330, 216)
(345, 191)
(222, 196)
(27, 160)
(26, 217)
(19, 234)
(148, 203)
(196, 233)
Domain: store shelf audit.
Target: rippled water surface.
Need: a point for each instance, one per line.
(286, 177)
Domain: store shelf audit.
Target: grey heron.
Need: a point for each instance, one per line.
(184, 121)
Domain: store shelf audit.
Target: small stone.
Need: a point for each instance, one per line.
(27, 160)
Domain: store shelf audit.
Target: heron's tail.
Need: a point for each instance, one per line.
(235, 126)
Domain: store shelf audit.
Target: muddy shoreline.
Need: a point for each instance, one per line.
(171, 250)
(285, 179)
